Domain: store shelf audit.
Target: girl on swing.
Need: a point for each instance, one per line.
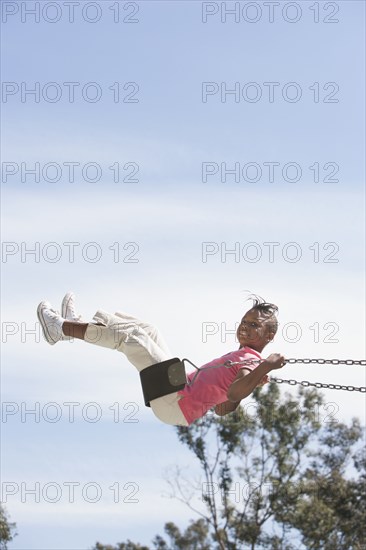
(220, 387)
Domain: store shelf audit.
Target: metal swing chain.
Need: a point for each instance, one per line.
(329, 361)
(304, 361)
(305, 383)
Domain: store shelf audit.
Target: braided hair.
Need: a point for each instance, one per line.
(266, 309)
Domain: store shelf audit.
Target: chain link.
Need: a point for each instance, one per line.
(306, 384)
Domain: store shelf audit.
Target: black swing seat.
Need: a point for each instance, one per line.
(162, 379)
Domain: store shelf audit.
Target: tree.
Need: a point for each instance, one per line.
(275, 476)
(120, 546)
(195, 537)
(6, 529)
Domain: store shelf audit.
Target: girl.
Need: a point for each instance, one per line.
(220, 387)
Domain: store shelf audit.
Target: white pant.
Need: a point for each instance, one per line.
(143, 346)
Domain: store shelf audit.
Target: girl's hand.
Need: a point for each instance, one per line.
(276, 361)
(264, 380)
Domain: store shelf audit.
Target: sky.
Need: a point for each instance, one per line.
(171, 158)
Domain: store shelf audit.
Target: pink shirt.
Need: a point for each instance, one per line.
(210, 387)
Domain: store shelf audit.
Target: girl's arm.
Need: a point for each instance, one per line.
(229, 406)
(244, 384)
(226, 407)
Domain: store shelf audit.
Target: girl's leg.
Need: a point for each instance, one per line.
(69, 313)
(127, 337)
(138, 347)
(152, 331)
(167, 410)
(74, 330)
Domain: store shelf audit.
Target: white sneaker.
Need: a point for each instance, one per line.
(51, 323)
(68, 310)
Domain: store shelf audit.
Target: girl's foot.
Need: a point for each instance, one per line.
(51, 323)
(68, 310)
